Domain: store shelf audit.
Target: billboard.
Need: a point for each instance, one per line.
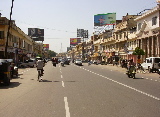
(74, 41)
(38, 38)
(46, 47)
(105, 19)
(36, 34)
(82, 33)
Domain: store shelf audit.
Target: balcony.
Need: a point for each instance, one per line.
(132, 36)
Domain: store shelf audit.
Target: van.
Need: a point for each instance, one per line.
(151, 64)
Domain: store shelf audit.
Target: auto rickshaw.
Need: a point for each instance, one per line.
(5, 72)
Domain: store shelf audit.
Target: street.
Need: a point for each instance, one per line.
(81, 91)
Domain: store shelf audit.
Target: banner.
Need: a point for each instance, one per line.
(105, 19)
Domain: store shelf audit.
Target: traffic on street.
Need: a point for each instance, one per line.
(80, 91)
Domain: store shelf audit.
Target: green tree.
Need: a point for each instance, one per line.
(138, 52)
(52, 53)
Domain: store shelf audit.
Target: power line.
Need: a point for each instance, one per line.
(45, 27)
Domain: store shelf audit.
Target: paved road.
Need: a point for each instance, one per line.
(81, 91)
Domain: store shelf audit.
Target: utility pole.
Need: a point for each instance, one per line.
(9, 26)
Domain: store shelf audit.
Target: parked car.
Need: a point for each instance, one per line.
(28, 63)
(78, 62)
(151, 64)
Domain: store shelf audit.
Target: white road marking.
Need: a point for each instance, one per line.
(149, 95)
(61, 76)
(66, 107)
(63, 84)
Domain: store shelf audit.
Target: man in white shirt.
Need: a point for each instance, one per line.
(40, 65)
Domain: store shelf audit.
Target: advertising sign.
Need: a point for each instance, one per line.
(46, 47)
(75, 41)
(105, 19)
(38, 38)
(36, 34)
(82, 33)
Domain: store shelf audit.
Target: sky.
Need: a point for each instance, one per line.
(61, 18)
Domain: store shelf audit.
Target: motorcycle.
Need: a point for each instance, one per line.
(14, 71)
(62, 64)
(131, 72)
(124, 63)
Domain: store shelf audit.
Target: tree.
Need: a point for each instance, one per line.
(52, 53)
(138, 52)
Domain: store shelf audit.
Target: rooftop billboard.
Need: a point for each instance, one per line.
(74, 41)
(46, 47)
(105, 19)
(36, 34)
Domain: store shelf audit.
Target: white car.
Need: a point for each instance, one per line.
(151, 64)
(29, 63)
(78, 62)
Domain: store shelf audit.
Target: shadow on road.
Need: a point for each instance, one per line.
(12, 85)
(138, 78)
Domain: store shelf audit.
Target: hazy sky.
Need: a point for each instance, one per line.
(61, 18)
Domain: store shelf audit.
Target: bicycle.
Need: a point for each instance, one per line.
(39, 74)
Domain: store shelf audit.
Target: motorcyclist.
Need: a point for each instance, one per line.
(62, 62)
(130, 64)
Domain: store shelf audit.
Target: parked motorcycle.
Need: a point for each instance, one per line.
(131, 72)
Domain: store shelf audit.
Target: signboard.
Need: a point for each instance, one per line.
(82, 33)
(36, 34)
(105, 19)
(74, 41)
(38, 38)
(45, 47)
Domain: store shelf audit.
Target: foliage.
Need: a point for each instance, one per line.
(52, 53)
(138, 51)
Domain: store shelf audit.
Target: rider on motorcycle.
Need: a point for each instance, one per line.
(130, 64)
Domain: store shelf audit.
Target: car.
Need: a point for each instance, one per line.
(28, 63)
(151, 64)
(66, 61)
(78, 62)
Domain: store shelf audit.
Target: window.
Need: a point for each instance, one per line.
(139, 26)
(154, 20)
(1, 34)
(157, 60)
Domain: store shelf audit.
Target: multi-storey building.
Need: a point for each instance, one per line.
(142, 30)
(148, 32)
(20, 46)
